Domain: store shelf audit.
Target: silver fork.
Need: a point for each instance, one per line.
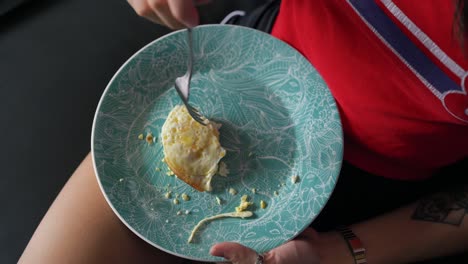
(182, 84)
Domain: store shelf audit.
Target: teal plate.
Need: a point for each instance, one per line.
(278, 120)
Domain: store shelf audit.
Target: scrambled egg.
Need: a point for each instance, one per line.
(192, 151)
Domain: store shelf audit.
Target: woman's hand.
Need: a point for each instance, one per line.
(306, 248)
(175, 14)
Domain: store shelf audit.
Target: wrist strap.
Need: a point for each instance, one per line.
(354, 243)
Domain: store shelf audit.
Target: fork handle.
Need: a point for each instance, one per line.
(190, 61)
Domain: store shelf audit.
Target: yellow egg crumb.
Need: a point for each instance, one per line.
(185, 197)
(167, 195)
(243, 204)
(141, 137)
(254, 191)
(294, 179)
(176, 201)
(169, 173)
(232, 191)
(263, 204)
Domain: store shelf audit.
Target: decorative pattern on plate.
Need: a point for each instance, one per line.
(278, 120)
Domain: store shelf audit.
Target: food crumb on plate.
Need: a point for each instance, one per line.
(218, 200)
(141, 137)
(232, 191)
(223, 170)
(185, 197)
(294, 179)
(243, 204)
(263, 204)
(175, 201)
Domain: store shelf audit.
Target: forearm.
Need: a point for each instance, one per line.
(434, 226)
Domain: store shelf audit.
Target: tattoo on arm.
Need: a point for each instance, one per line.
(448, 207)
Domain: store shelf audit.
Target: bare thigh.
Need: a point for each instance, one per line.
(80, 227)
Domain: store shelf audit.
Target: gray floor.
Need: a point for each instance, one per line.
(56, 57)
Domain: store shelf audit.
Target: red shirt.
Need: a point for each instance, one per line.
(394, 124)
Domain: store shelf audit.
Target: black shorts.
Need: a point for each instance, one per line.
(261, 18)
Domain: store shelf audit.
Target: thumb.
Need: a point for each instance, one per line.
(234, 252)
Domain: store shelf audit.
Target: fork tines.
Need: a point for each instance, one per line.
(195, 114)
